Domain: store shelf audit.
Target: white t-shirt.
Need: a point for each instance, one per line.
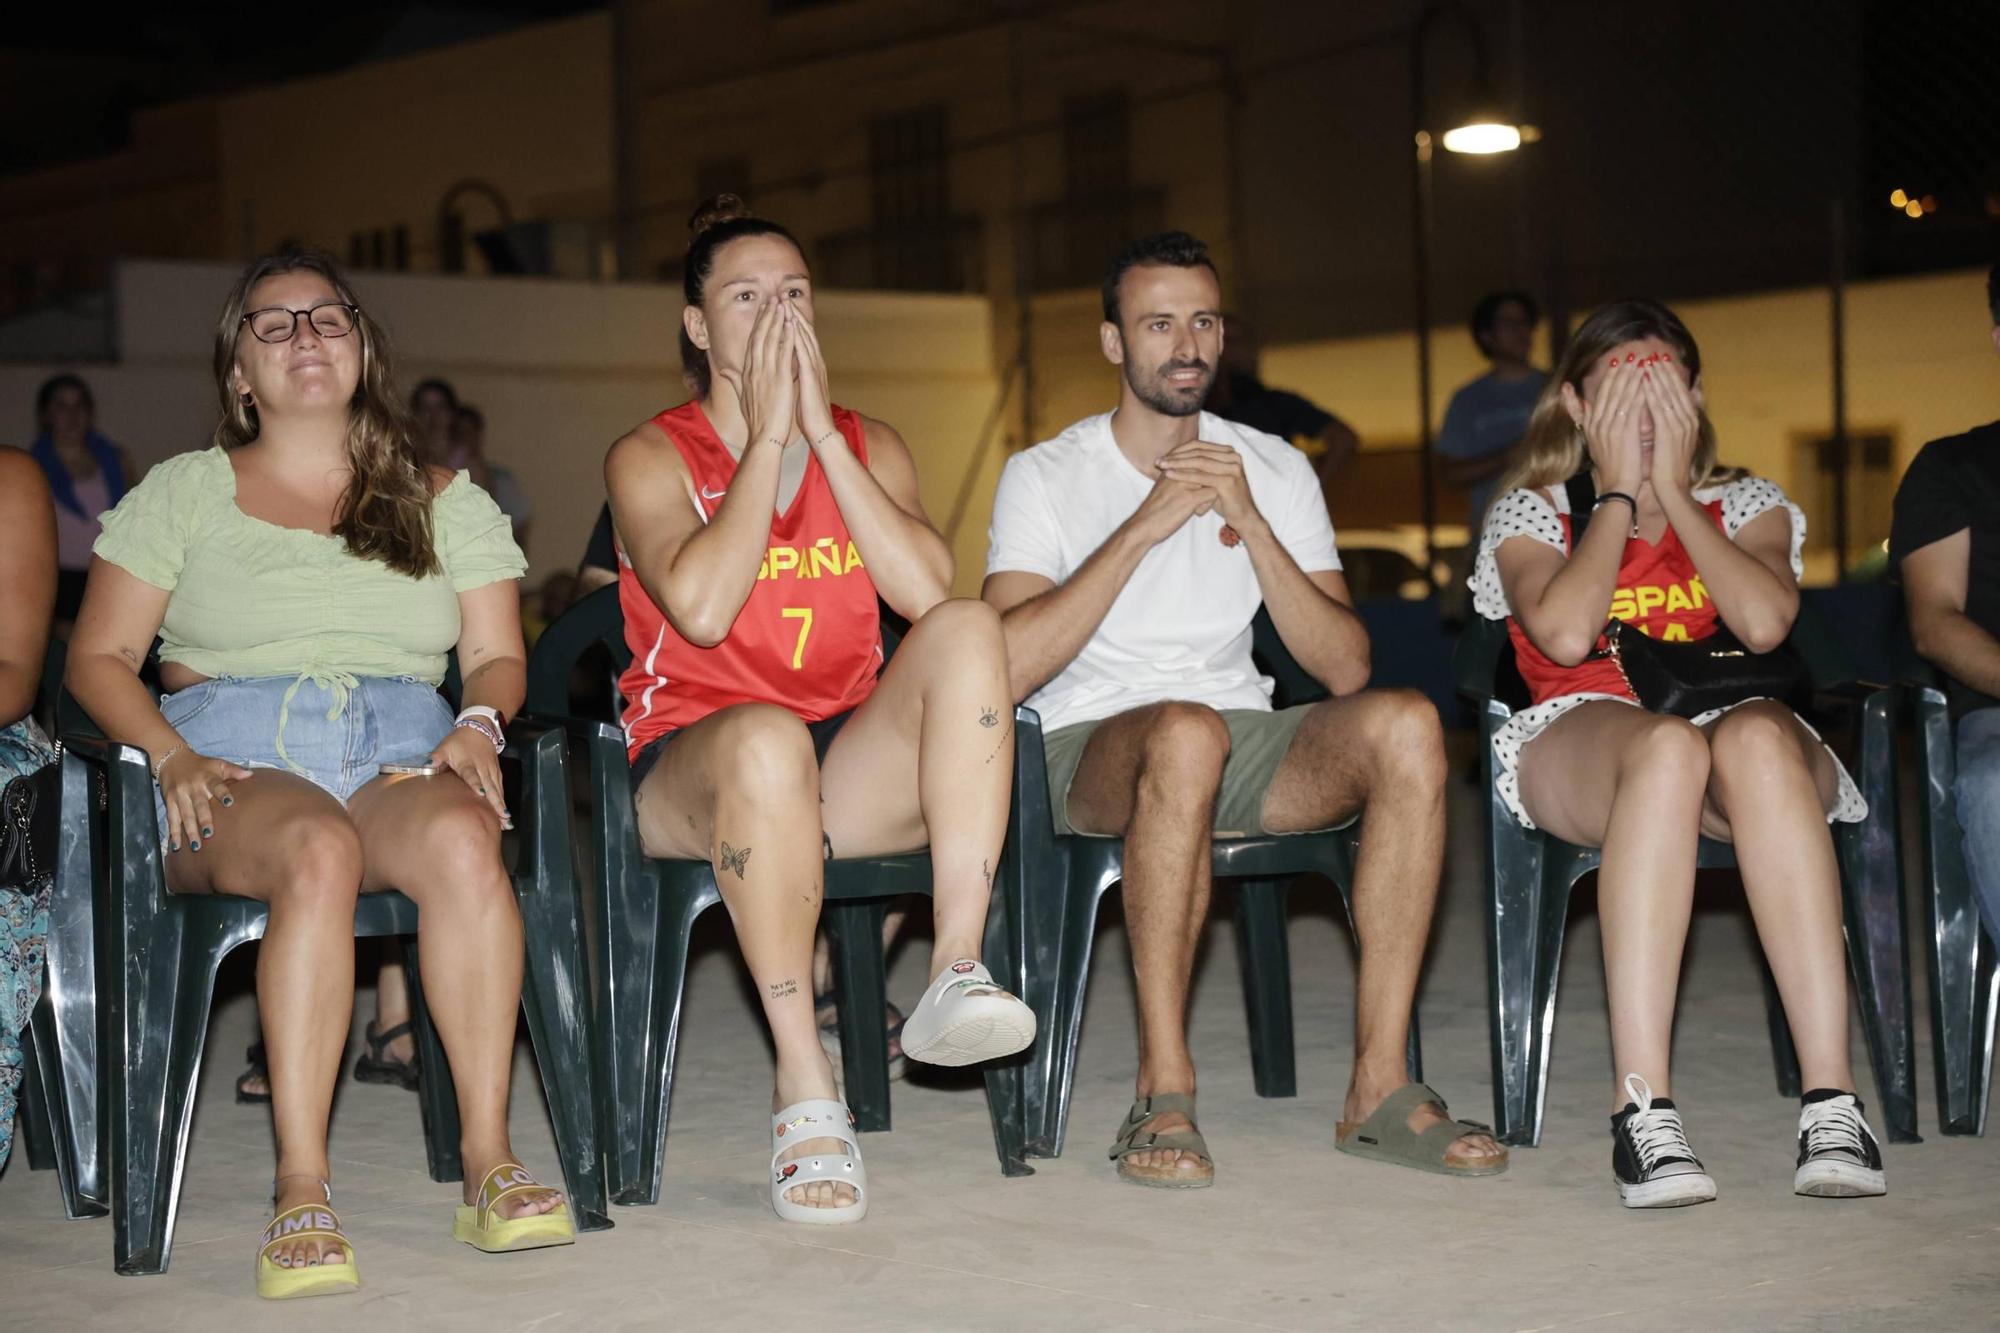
(1180, 627)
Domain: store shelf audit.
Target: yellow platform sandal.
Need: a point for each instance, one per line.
(481, 1228)
(279, 1282)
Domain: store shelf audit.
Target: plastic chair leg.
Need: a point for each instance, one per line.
(643, 1108)
(854, 935)
(1965, 984)
(556, 997)
(1006, 1080)
(160, 1007)
(1078, 909)
(1965, 1000)
(1264, 955)
(35, 1139)
(436, 1094)
(65, 1022)
(1530, 887)
(1877, 947)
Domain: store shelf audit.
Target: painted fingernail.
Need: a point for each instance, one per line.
(482, 791)
(194, 846)
(1630, 357)
(1667, 356)
(207, 832)
(173, 846)
(229, 800)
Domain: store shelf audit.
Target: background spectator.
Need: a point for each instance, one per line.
(1487, 418)
(87, 474)
(468, 450)
(1238, 395)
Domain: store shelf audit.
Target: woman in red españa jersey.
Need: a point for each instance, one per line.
(757, 525)
(1676, 544)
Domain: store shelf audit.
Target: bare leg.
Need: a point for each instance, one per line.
(439, 843)
(1152, 775)
(1767, 768)
(942, 702)
(288, 843)
(1381, 752)
(1617, 777)
(740, 789)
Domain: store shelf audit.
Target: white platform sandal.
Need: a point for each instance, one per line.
(817, 1118)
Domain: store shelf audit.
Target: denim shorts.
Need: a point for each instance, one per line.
(330, 728)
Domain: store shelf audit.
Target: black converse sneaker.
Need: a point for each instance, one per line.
(1838, 1155)
(1650, 1154)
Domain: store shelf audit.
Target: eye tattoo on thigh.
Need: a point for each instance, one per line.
(989, 717)
(733, 858)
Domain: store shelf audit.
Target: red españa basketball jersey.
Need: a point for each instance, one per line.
(810, 636)
(1659, 594)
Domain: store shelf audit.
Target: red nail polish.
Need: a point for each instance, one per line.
(1630, 357)
(1667, 356)
(1614, 360)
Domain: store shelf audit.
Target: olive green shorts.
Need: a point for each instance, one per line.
(1258, 739)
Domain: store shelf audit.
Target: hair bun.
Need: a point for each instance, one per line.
(716, 210)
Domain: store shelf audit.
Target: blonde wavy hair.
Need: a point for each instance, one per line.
(385, 513)
(1552, 449)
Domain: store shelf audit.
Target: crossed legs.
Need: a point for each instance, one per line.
(928, 758)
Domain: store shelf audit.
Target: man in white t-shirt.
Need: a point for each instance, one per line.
(1129, 556)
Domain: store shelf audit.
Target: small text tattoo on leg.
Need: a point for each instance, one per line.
(733, 858)
(986, 872)
(989, 717)
(780, 989)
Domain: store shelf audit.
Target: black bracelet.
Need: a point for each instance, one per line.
(1616, 495)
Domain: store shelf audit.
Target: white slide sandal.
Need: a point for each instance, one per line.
(817, 1118)
(966, 1017)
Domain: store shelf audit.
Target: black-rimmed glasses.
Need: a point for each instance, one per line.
(276, 324)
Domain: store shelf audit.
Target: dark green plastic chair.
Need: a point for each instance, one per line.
(1965, 982)
(133, 971)
(1058, 883)
(643, 912)
(1529, 876)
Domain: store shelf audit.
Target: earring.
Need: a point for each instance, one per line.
(248, 401)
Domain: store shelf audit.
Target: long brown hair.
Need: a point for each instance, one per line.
(385, 513)
(1552, 450)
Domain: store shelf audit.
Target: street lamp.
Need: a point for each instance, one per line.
(1484, 131)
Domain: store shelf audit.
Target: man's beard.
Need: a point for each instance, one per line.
(1165, 398)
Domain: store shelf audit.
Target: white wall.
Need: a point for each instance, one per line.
(560, 370)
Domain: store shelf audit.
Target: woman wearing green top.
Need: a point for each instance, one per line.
(306, 577)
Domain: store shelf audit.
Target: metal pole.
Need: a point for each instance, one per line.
(1024, 286)
(1420, 235)
(624, 137)
(1420, 245)
(1839, 444)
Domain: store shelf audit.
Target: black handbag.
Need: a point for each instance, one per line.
(28, 808)
(1686, 679)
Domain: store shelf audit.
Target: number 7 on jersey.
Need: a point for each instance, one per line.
(804, 615)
